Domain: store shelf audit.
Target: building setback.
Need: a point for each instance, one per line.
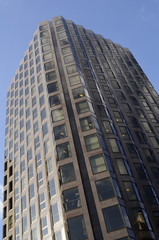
(81, 143)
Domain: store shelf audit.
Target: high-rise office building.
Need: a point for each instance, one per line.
(81, 141)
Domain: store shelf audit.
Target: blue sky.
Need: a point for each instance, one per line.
(132, 23)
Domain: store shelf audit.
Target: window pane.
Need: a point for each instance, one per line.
(113, 218)
(63, 151)
(50, 76)
(86, 123)
(121, 166)
(71, 199)
(67, 173)
(130, 191)
(149, 195)
(140, 223)
(55, 213)
(92, 142)
(82, 107)
(52, 187)
(57, 115)
(105, 189)
(49, 65)
(114, 145)
(68, 59)
(53, 87)
(98, 163)
(75, 80)
(78, 92)
(60, 132)
(66, 50)
(71, 69)
(77, 228)
(54, 100)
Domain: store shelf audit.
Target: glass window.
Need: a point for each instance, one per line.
(34, 234)
(35, 113)
(71, 199)
(60, 28)
(82, 107)
(141, 172)
(147, 127)
(105, 189)
(52, 187)
(87, 123)
(36, 127)
(60, 131)
(92, 142)
(37, 59)
(44, 226)
(33, 213)
(44, 34)
(50, 76)
(63, 151)
(66, 50)
(155, 172)
(24, 203)
(41, 100)
(47, 56)
(46, 48)
(45, 40)
(71, 69)
(55, 213)
(121, 166)
(40, 179)
(68, 59)
(47, 146)
(43, 27)
(43, 114)
(113, 218)
(150, 194)
(42, 201)
(40, 88)
(49, 65)
(130, 191)
(78, 92)
(58, 22)
(75, 80)
(16, 213)
(140, 222)
(32, 192)
(29, 154)
(77, 228)
(67, 173)
(57, 115)
(10, 222)
(49, 165)
(31, 173)
(98, 163)
(23, 166)
(45, 129)
(114, 145)
(58, 235)
(62, 35)
(37, 142)
(38, 159)
(54, 100)
(64, 42)
(23, 183)
(52, 87)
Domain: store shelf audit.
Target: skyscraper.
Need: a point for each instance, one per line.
(81, 144)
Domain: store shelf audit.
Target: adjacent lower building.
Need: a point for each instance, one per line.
(81, 141)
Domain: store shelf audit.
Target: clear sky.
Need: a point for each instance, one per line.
(132, 23)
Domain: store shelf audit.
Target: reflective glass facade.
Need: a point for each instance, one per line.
(81, 141)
